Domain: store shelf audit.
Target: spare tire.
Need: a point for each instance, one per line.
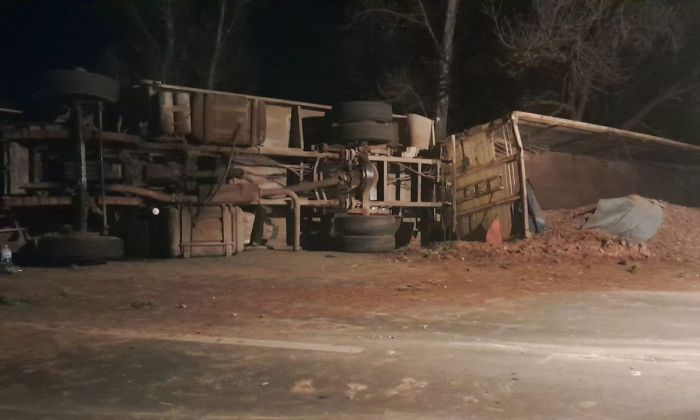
(357, 225)
(368, 131)
(82, 84)
(365, 244)
(79, 248)
(356, 111)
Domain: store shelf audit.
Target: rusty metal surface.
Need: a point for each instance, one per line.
(175, 152)
(113, 200)
(231, 193)
(34, 201)
(34, 133)
(210, 231)
(219, 119)
(63, 200)
(272, 101)
(61, 133)
(152, 194)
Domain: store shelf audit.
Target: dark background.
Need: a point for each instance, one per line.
(295, 47)
(307, 50)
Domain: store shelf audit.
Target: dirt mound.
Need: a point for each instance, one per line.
(678, 239)
(679, 236)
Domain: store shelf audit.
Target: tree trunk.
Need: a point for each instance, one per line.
(582, 101)
(443, 98)
(218, 46)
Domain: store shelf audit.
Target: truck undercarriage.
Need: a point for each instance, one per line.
(176, 172)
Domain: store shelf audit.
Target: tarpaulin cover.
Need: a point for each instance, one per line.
(633, 217)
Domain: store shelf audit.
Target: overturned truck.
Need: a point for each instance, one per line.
(160, 170)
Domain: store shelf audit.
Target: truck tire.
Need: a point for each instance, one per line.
(356, 111)
(365, 244)
(367, 131)
(79, 248)
(82, 84)
(356, 225)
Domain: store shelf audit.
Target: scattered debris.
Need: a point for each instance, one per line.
(9, 269)
(407, 386)
(142, 305)
(411, 288)
(354, 389)
(5, 301)
(632, 268)
(470, 399)
(303, 387)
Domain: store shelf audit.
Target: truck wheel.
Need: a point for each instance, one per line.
(356, 111)
(367, 131)
(79, 248)
(365, 244)
(82, 84)
(356, 225)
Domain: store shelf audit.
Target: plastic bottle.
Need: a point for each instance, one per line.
(5, 255)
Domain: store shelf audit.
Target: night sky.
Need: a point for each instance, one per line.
(293, 45)
(305, 50)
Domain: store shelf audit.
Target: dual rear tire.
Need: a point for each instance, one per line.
(362, 122)
(365, 234)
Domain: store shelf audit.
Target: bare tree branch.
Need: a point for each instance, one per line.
(588, 45)
(389, 12)
(683, 86)
(138, 20)
(400, 87)
(429, 27)
(218, 45)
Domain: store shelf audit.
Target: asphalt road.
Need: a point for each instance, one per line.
(605, 354)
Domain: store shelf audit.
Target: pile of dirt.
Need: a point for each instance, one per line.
(679, 236)
(678, 239)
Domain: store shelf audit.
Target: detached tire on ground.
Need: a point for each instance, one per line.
(369, 131)
(355, 225)
(82, 84)
(80, 248)
(365, 244)
(356, 111)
